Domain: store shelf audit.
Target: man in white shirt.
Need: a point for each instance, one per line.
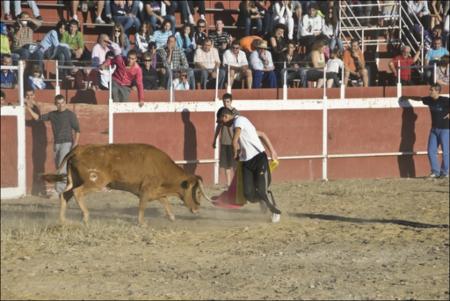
(236, 59)
(262, 65)
(207, 59)
(248, 148)
(312, 26)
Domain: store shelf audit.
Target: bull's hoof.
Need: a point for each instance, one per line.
(171, 217)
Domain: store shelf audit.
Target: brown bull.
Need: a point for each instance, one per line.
(141, 169)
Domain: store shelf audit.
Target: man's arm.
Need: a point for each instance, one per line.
(33, 114)
(76, 139)
(415, 98)
(236, 135)
(216, 133)
(267, 142)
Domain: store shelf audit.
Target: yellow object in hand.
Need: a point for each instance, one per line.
(273, 164)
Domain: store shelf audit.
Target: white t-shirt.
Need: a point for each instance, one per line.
(333, 65)
(248, 140)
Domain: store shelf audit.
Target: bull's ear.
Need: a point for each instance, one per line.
(184, 184)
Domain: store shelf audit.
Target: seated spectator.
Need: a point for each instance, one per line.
(283, 13)
(293, 62)
(152, 13)
(150, 75)
(355, 64)
(74, 38)
(433, 56)
(334, 65)
(36, 79)
(4, 40)
(436, 13)
(236, 59)
(266, 10)
(278, 43)
(163, 34)
(330, 30)
(221, 39)
(312, 27)
(207, 60)
(248, 44)
(263, 68)
(2, 98)
(421, 11)
(144, 37)
(173, 59)
(125, 13)
(200, 34)
(249, 16)
(185, 41)
(405, 61)
(181, 82)
(317, 63)
(8, 78)
(85, 78)
(119, 37)
(23, 43)
(126, 75)
(442, 71)
(99, 55)
(18, 9)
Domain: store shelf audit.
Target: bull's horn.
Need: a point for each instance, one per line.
(202, 190)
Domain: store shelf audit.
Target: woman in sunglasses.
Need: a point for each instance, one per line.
(118, 36)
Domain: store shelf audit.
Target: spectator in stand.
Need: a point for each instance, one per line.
(221, 39)
(157, 62)
(36, 79)
(248, 43)
(74, 38)
(200, 34)
(433, 56)
(4, 40)
(126, 75)
(293, 62)
(84, 7)
(23, 43)
(18, 9)
(207, 60)
(85, 78)
(278, 42)
(355, 64)
(181, 82)
(171, 8)
(436, 13)
(144, 37)
(421, 11)
(163, 34)
(236, 60)
(283, 13)
(150, 75)
(187, 9)
(50, 47)
(446, 30)
(125, 12)
(312, 27)
(442, 71)
(249, 16)
(99, 55)
(185, 41)
(152, 12)
(263, 68)
(2, 98)
(331, 29)
(404, 60)
(266, 10)
(334, 64)
(173, 59)
(119, 37)
(8, 78)
(318, 63)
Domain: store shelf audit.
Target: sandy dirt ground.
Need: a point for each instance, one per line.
(353, 239)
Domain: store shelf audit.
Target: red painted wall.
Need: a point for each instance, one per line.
(8, 162)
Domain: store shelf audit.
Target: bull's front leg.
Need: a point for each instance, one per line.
(142, 205)
(165, 202)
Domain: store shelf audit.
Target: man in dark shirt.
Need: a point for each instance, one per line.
(63, 123)
(439, 133)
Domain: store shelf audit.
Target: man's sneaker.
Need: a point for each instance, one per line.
(99, 20)
(433, 176)
(275, 217)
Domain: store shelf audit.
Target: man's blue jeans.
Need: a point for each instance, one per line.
(260, 76)
(438, 137)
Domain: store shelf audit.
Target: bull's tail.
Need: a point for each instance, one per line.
(52, 178)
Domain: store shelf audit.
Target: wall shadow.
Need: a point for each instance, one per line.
(406, 164)
(190, 142)
(330, 217)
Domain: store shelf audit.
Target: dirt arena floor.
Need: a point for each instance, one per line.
(354, 239)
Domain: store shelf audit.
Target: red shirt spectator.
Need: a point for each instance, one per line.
(405, 60)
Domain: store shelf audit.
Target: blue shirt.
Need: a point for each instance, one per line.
(161, 38)
(436, 54)
(7, 78)
(49, 40)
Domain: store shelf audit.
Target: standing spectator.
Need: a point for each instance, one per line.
(331, 30)
(355, 64)
(262, 65)
(144, 37)
(249, 16)
(125, 13)
(283, 13)
(439, 133)
(221, 39)
(18, 9)
(236, 59)
(185, 41)
(405, 61)
(4, 40)
(119, 37)
(36, 79)
(433, 56)
(126, 75)
(173, 59)
(442, 71)
(99, 53)
(293, 61)
(163, 34)
(278, 43)
(420, 9)
(207, 60)
(23, 42)
(150, 75)
(66, 131)
(312, 27)
(8, 78)
(200, 34)
(226, 160)
(74, 38)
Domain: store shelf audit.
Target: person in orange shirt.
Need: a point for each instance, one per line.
(354, 63)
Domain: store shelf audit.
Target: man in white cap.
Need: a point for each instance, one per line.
(263, 69)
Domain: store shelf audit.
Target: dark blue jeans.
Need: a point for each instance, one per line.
(438, 137)
(264, 76)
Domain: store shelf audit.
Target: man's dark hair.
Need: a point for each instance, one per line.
(224, 111)
(74, 22)
(436, 87)
(59, 97)
(132, 52)
(227, 96)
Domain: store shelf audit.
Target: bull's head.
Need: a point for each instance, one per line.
(193, 191)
